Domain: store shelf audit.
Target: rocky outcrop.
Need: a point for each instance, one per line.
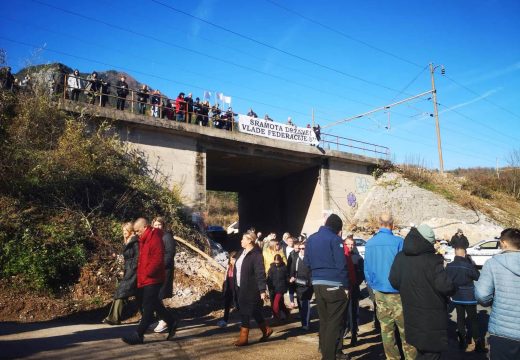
(412, 205)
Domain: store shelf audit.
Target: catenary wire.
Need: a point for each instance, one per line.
(272, 47)
(199, 53)
(350, 37)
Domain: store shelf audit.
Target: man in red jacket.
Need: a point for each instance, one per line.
(150, 276)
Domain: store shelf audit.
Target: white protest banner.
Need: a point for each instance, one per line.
(274, 130)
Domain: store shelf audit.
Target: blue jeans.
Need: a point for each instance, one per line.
(179, 116)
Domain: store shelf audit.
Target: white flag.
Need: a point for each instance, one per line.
(207, 95)
(220, 96)
(227, 99)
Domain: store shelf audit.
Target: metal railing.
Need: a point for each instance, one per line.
(335, 142)
(155, 104)
(162, 107)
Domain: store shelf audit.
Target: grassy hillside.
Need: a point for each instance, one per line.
(479, 189)
(65, 189)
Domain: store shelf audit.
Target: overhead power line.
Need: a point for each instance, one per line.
(272, 47)
(345, 35)
(482, 97)
(478, 122)
(135, 71)
(196, 52)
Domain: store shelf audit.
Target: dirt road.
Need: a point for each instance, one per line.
(80, 337)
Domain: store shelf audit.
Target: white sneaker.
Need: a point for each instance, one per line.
(152, 327)
(221, 323)
(161, 327)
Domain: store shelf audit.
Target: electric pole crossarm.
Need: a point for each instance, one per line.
(376, 110)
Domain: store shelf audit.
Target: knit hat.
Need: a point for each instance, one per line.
(334, 222)
(426, 232)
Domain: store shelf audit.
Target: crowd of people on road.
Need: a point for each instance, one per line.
(408, 282)
(410, 286)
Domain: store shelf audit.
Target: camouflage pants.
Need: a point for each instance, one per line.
(390, 313)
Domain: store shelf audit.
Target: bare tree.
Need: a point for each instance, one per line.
(512, 174)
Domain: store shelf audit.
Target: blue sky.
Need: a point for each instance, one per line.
(284, 62)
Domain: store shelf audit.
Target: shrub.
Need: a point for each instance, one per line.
(66, 187)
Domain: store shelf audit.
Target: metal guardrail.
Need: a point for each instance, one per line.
(159, 109)
(335, 142)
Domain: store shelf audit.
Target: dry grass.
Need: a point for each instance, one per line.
(473, 191)
(222, 208)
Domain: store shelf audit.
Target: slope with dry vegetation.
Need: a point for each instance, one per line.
(476, 189)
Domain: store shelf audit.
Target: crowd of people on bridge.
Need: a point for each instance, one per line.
(95, 90)
(408, 282)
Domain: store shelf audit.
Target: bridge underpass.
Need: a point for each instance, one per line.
(274, 193)
(282, 186)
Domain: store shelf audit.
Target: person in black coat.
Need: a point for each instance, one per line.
(93, 87)
(122, 92)
(250, 282)
(277, 280)
(418, 273)
(142, 99)
(462, 271)
(301, 276)
(105, 91)
(356, 262)
(459, 240)
(228, 290)
(189, 107)
(205, 112)
(170, 248)
(128, 285)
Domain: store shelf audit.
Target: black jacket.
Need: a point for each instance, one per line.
(302, 273)
(459, 242)
(418, 273)
(170, 247)
(462, 272)
(252, 281)
(128, 284)
(142, 95)
(277, 278)
(122, 89)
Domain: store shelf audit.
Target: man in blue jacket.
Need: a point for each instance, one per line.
(380, 252)
(499, 286)
(325, 257)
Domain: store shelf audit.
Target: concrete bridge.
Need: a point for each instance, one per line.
(282, 186)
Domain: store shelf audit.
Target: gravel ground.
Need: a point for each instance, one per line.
(197, 338)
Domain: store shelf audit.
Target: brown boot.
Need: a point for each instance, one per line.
(266, 331)
(242, 339)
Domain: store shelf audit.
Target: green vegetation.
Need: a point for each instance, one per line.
(65, 188)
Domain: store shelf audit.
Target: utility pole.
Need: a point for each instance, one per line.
(436, 114)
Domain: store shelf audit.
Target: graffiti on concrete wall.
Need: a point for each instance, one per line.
(362, 185)
(351, 199)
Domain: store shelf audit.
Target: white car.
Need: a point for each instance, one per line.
(360, 245)
(480, 252)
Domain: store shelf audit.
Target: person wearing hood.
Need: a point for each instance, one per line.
(499, 286)
(419, 275)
